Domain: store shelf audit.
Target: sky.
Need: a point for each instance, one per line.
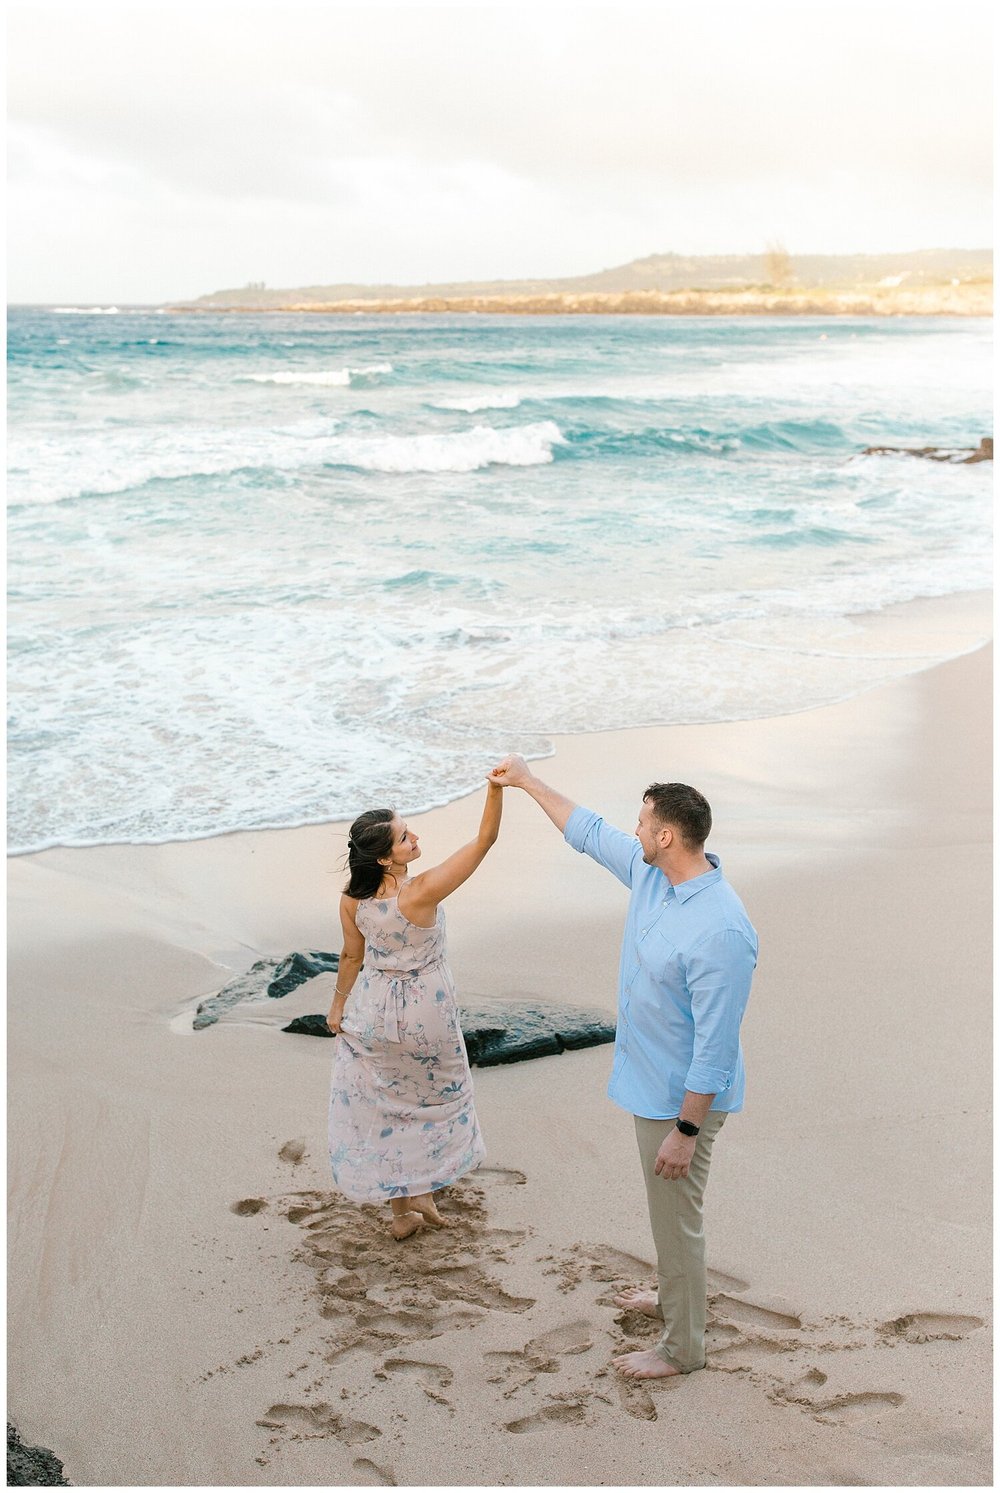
(158, 152)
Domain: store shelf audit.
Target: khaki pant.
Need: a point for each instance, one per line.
(679, 1235)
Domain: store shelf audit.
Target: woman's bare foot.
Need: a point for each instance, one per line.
(637, 1300)
(427, 1208)
(405, 1224)
(646, 1365)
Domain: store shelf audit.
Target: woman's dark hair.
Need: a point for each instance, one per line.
(369, 842)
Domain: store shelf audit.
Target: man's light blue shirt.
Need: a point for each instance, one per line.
(688, 956)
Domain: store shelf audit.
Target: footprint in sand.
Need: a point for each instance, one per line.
(507, 1238)
(366, 1285)
(721, 1335)
(840, 1410)
(432, 1378)
(634, 1398)
(511, 1370)
(607, 1264)
(293, 1151)
(598, 1262)
(318, 1420)
(507, 1175)
(463, 1283)
(749, 1314)
(749, 1353)
(719, 1281)
(855, 1409)
(542, 1351)
(372, 1476)
(929, 1327)
(557, 1412)
(753, 1335)
(413, 1326)
(540, 1355)
(247, 1207)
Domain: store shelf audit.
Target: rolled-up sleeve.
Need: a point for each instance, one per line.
(610, 847)
(718, 974)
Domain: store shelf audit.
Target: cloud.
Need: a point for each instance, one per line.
(457, 141)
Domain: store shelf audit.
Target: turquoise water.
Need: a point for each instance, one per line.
(267, 570)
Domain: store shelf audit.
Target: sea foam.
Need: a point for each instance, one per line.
(454, 451)
(473, 403)
(323, 378)
(281, 601)
(46, 470)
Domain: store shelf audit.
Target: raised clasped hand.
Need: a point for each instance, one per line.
(510, 773)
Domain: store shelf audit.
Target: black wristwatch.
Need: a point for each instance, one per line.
(686, 1128)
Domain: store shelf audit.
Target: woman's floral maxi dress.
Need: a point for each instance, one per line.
(402, 1120)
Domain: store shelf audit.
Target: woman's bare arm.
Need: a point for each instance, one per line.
(351, 959)
(419, 899)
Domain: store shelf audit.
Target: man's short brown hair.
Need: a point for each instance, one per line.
(684, 809)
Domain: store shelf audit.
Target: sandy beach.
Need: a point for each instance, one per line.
(190, 1304)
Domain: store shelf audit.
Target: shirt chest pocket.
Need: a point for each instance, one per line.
(659, 957)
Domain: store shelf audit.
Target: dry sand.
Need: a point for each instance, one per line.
(190, 1304)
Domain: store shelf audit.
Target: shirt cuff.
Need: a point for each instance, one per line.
(578, 827)
(701, 1079)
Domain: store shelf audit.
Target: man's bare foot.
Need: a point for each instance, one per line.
(405, 1224)
(427, 1208)
(646, 1365)
(637, 1300)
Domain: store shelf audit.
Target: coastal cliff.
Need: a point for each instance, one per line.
(923, 283)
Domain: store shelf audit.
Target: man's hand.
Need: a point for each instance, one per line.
(512, 772)
(673, 1159)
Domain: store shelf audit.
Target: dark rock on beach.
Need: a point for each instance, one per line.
(309, 1026)
(509, 1031)
(957, 455)
(512, 1031)
(504, 1032)
(32, 1466)
(271, 977)
(297, 969)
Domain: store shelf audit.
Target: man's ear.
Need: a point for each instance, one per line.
(666, 830)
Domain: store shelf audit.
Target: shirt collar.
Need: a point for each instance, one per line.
(688, 889)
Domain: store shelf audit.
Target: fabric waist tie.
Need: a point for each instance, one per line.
(393, 1001)
(398, 979)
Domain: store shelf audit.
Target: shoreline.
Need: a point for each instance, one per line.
(167, 1204)
(965, 615)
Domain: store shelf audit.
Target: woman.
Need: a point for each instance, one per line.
(402, 1122)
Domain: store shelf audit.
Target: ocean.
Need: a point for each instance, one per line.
(270, 570)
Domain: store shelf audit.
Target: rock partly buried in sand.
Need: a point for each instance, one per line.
(271, 977)
(505, 1032)
(309, 1026)
(32, 1466)
(509, 1031)
(957, 455)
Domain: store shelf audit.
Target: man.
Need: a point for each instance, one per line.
(688, 956)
